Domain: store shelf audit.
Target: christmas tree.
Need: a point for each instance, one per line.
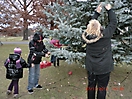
(70, 19)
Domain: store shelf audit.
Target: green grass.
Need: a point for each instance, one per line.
(56, 81)
(8, 38)
(59, 85)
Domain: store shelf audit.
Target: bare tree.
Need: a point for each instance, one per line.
(19, 14)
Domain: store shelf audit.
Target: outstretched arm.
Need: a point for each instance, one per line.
(97, 11)
(110, 29)
(6, 62)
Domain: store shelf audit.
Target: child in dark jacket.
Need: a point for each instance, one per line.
(14, 70)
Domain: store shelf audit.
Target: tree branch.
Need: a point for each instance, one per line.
(29, 3)
(20, 2)
(31, 10)
(120, 30)
(32, 5)
(12, 4)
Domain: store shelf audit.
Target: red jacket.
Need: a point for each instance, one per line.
(56, 43)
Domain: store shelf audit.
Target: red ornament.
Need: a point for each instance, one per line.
(44, 64)
(70, 72)
(41, 65)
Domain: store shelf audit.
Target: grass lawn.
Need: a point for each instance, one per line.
(57, 84)
(6, 38)
(56, 81)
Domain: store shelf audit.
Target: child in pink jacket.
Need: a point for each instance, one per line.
(54, 58)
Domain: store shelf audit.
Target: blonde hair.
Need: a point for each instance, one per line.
(93, 28)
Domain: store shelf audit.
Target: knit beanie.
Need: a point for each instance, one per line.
(17, 50)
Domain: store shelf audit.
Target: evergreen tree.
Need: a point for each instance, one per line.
(71, 19)
(122, 39)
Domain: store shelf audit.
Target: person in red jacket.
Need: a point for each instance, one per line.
(54, 59)
(14, 70)
(55, 43)
(99, 60)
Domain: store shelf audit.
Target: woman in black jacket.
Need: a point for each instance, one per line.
(14, 70)
(37, 51)
(99, 61)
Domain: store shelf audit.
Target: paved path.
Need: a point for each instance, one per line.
(20, 42)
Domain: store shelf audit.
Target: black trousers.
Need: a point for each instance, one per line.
(97, 83)
(55, 60)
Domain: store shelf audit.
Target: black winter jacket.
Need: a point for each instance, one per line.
(99, 54)
(12, 72)
(37, 51)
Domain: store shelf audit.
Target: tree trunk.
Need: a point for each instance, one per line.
(25, 23)
(25, 30)
(25, 34)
